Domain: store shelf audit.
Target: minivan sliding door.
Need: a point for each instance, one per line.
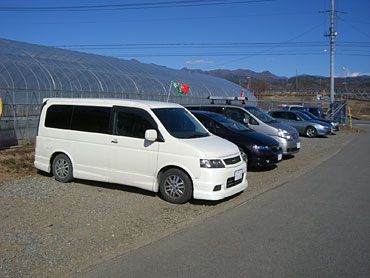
(133, 160)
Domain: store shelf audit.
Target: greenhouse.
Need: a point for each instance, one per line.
(30, 73)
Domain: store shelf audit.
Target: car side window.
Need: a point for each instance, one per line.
(132, 122)
(210, 125)
(251, 120)
(235, 114)
(59, 116)
(91, 119)
(216, 109)
(293, 117)
(277, 114)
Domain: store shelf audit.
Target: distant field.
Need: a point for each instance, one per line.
(360, 109)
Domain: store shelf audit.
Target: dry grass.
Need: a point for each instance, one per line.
(17, 162)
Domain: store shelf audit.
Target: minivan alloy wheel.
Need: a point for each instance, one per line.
(62, 168)
(175, 186)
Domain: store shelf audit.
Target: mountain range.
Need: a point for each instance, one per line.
(264, 81)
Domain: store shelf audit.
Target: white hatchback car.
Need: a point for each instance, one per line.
(151, 145)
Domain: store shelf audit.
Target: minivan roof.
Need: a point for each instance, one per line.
(112, 102)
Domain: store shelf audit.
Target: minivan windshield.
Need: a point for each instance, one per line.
(180, 123)
(261, 115)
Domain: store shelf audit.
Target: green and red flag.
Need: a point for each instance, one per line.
(181, 88)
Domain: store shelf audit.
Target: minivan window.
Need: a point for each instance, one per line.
(91, 119)
(180, 123)
(261, 115)
(132, 122)
(59, 116)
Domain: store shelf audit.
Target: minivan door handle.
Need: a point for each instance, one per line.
(115, 141)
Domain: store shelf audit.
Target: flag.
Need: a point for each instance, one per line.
(184, 88)
(242, 101)
(181, 88)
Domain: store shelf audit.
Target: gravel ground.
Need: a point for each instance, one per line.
(54, 229)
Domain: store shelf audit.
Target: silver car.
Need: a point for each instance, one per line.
(302, 123)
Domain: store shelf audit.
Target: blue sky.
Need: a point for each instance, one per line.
(281, 36)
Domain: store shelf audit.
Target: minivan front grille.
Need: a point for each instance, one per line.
(233, 160)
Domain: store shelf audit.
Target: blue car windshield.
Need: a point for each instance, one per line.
(229, 123)
(309, 114)
(263, 116)
(303, 116)
(180, 123)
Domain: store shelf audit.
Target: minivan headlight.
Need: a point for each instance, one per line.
(211, 163)
(284, 134)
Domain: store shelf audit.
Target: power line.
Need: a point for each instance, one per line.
(210, 45)
(115, 7)
(228, 54)
(353, 27)
(239, 17)
(248, 56)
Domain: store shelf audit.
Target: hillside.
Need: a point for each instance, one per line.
(264, 81)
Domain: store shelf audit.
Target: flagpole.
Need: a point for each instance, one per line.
(169, 91)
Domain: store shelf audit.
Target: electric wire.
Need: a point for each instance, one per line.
(120, 7)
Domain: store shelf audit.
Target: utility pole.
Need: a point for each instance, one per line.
(332, 47)
(296, 80)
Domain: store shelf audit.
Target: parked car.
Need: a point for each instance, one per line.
(302, 123)
(151, 145)
(317, 111)
(334, 124)
(258, 120)
(261, 150)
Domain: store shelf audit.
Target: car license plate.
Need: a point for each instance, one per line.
(298, 145)
(238, 174)
(280, 157)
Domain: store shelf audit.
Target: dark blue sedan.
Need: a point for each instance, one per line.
(261, 150)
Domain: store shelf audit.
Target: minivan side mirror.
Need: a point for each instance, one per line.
(246, 120)
(151, 135)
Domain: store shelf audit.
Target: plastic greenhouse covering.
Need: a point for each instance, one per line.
(29, 73)
(51, 71)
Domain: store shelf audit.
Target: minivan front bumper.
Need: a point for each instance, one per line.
(290, 146)
(219, 183)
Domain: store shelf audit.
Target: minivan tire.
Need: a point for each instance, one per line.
(62, 168)
(175, 186)
(311, 132)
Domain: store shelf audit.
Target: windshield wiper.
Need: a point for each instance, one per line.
(196, 136)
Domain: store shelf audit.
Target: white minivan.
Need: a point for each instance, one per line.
(151, 145)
